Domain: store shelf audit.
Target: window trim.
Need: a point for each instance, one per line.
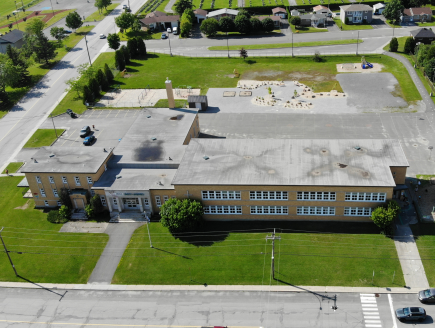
(316, 210)
(64, 180)
(381, 197)
(46, 203)
(221, 195)
(103, 200)
(42, 192)
(223, 210)
(331, 196)
(38, 179)
(89, 180)
(268, 210)
(268, 195)
(51, 179)
(158, 201)
(55, 193)
(77, 181)
(357, 211)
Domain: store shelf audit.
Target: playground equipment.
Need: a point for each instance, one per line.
(365, 64)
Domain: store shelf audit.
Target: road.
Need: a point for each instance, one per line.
(41, 308)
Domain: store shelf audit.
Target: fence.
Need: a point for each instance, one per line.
(414, 58)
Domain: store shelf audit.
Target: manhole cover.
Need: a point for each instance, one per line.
(229, 93)
(245, 94)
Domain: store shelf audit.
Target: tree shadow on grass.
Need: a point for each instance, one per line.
(134, 63)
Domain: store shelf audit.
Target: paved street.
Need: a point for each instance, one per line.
(42, 308)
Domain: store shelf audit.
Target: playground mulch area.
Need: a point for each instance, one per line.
(45, 19)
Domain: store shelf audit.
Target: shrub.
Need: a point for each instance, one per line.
(126, 54)
(317, 58)
(383, 216)
(409, 45)
(88, 96)
(108, 73)
(96, 204)
(132, 47)
(53, 216)
(394, 45)
(181, 215)
(89, 211)
(119, 60)
(141, 47)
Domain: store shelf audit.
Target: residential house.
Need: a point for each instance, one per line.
(314, 20)
(356, 13)
(422, 14)
(14, 38)
(218, 14)
(378, 8)
(160, 21)
(200, 15)
(276, 20)
(423, 35)
(297, 12)
(322, 10)
(281, 12)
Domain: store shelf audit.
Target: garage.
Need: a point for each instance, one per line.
(199, 102)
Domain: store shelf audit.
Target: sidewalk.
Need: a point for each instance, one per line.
(210, 288)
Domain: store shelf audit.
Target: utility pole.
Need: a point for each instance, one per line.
(292, 45)
(86, 41)
(357, 41)
(148, 228)
(228, 48)
(7, 253)
(273, 237)
(52, 120)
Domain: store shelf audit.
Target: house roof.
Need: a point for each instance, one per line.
(278, 10)
(201, 12)
(160, 19)
(200, 99)
(12, 37)
(423, 33)
(356, 7)
(319, 7)
(286, 162)
(274, 18)
(222, 12)
(313, 16)
(418, 11)
(379, 6)
(156, 14)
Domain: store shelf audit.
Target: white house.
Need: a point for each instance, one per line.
(200, 15)
(218, 14)
(378, 8)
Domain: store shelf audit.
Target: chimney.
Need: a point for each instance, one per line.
(170, 93)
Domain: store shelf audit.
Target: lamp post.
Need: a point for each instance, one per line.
(292, 45)
(430, 151)
(86, 41)
(357, 41)
(52, 10)
(228, 48)
(169, 39)
(52, 120)
(149, 235)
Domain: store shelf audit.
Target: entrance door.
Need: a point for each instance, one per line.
(198, 105)
(131, 203)
(79, 204)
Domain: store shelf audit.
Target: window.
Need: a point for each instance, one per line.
(42, 191)
(165, 198)
(222, 209)
(55, 193)
(365, 17)
(146, 202)
(38, 179)
(92, 193)
(46, 203)
(59, 203)
(158, 201)
(315, 210)
(64, 180)
(312, 195)
(103, 200)
(173, 197)
(51, 179)
(212, 195)
(357, 211)
(268, 195)
(271, 210)
(77, 180)
(89, 180)
(366, 196)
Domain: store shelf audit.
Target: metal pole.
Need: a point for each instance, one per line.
(292, 45)
(357, 41)
(86, 41)
(52, 120)
(18, 26)
(170, 50)
(273, 237)
(394, 274)
(228, 47)
(16, 6)
(149, 235)
(7, 253)
(52, 9)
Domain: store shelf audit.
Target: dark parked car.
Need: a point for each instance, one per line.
(411, 314)
(427, 295)
(85, 131)
(89, 140)
(71, 113)
(163, 36)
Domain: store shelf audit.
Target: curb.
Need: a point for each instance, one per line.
(57, 138)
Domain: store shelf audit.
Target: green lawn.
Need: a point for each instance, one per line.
(307, 29)
(288, 45)
(13, 167)
(215, 71)
(163, 103)
(244, 258)
(42, 137)
(317, 2)
(146, 35)
(8, 6)
(432, 23)
(97, 16)
(391, 24)
(47, 256)
(351, 27)
(37, 71)
(424, 234)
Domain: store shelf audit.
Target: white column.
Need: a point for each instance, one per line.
(140, 204)
(119, 201)
(109, 203)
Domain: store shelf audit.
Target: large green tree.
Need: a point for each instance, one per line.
(44, 49)
(114, 41)
(383, 216)
(8, 76)
(141, 47)
(256, 26)
(226, 24)
(124, 21)
(394, 45)
(73, 20)
(409, 45)
(243, 24)
(209, 27)
(295, 21)
(268, 25)
(58, 33)
(99, 4)
(35, 27)
(393, 10)
(182, 5)
(106, 3)
(181, 215)
(429, 68)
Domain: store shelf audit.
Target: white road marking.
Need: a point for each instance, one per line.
(393, 313)
(371, 317)
(373, 321)
(371, 325)
(370, 311)
(370, 305)
(363, 295)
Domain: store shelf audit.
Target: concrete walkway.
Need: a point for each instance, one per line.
(168, 7)
(415, 78)
(119, 237)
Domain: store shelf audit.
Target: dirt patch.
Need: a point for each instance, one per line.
(397, 92)
(232, 76)
(287, 76)
(25, 206)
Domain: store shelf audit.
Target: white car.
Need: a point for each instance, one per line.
(169, 30)
(124, 6)
(102, 36)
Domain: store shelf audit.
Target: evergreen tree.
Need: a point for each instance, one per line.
(409, 45)
(126, 54)
(119, 60)
(102, 80)
(64, 198)
(44, 49)
(108, 73)
(87, 95)
(132, 47)
(94, 87)
(73, 20)
(141, 48)
(394, 45)
(14, 55)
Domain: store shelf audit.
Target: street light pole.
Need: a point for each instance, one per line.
(228, 48)
(148, 228)
(430, 151)
(52, 120)
(86, 41)
(169, 39)
(292, 45)
(52, 10)
(7, 253)
(357, 41)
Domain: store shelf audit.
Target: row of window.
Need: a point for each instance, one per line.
(159, 200)
(301, 195)
(65, 180)
(56, 194)
(283, 210)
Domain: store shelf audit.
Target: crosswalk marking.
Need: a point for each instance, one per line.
(369, 305)
(370, 311)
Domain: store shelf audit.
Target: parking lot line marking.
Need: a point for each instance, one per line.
(108, 113)
(370, 309)
(118, 113)
(126, 113)
(390, 301)
(371, 325)
(369, 305)
(66, 139)
(90, 114)
(373, 321)
(99, 134)
(101, 112)
(136, 111)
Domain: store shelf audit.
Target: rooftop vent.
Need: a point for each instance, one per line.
(153, 138)
(119, 176)
(206, 157)
(51, 155)
(357, 148)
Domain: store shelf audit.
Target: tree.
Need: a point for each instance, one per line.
(383, 216)
(35, 27)
(108, 73)
(141, 48)
(7, 76)
(181, 215)
(243, 53)
(394, 45)
(245, 13)
(88, 95)
(126, 54)
(100, 5)
(209, 27)
(107, 3)
(256, 26)
(132, 47)
(393, 10)
(136, 27)
(64, 214)
(409, 45)
(114, 41)
(243, 24)
(268, 25)
(96, 204)
(64, 197)
(295, 21)
(423, 50)
(53, 216)
(89, 211)
(101, 78)
(429, 68)
(73, 20)
(94, 87)
(22, 78)
(58, 33)
(86, 72)
(119, 60)
(44, 49)
(75, 84)
(14, 55)
(185, 27)
(189, 13)
(182, 5)
(226, 24)
(124, 21)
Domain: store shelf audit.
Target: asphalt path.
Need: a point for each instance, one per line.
(44, 308)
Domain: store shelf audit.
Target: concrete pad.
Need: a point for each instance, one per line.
(356, 68)
(84, 227)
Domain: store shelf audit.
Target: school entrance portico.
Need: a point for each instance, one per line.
(128, 201)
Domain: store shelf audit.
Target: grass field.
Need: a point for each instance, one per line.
(13, 167)
(42, 137)
(146, 35)
(244, 258)
(307, 29)
(424, 234)
(351, 27)
(317, 2)
(163, 103)
(288, 45)
(97, 16)
(215, 71)
(8, 6)
(47, 256)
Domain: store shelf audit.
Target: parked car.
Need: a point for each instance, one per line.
(411, 314)
(89, 140)
(427, 295)
(67, 31)
(175, 30)
(169, 30)
(85, 131)
(102, 36)
(164, 36)
(71, 113)
(124, 6)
